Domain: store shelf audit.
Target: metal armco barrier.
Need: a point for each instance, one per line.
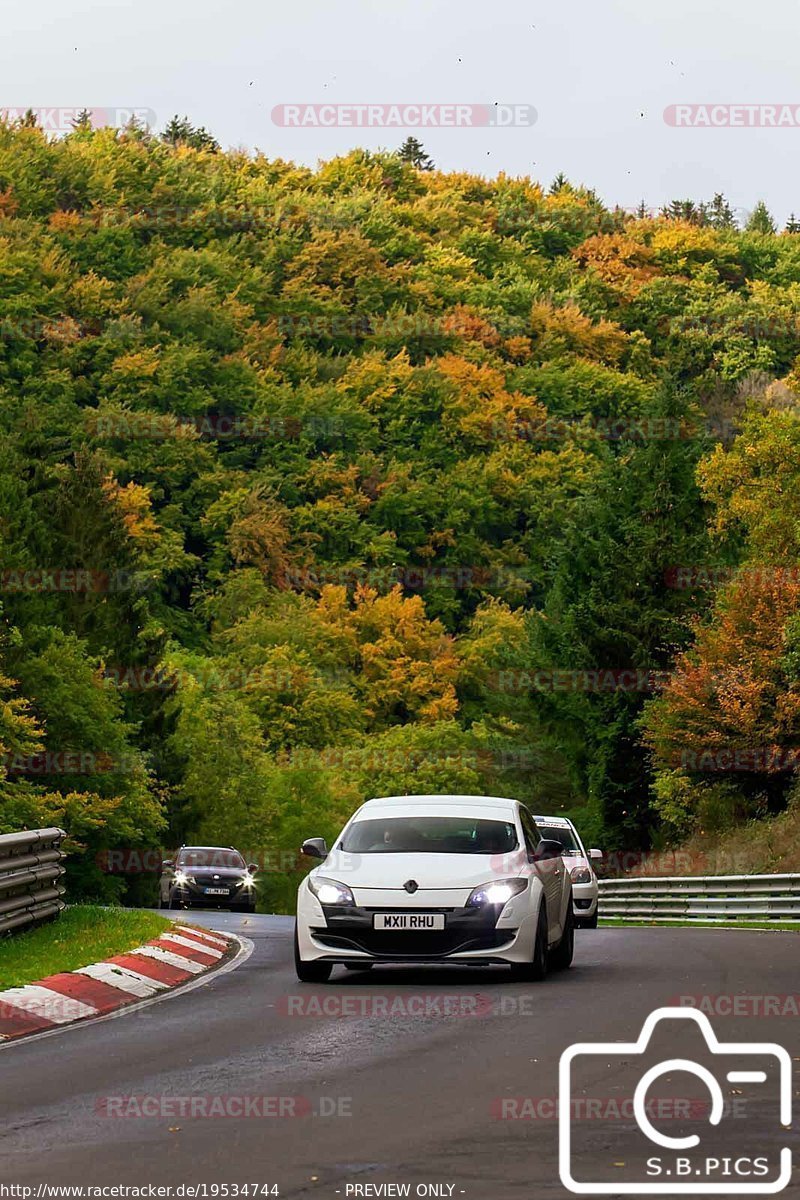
(703, 898)
(30, 877)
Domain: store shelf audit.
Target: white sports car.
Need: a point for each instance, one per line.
(585, 891)
(431, 879)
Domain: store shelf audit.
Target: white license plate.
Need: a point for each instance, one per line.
(217, 891)
(406, 921)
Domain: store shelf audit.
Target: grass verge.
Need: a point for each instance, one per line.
(83, 934)
(775, 926)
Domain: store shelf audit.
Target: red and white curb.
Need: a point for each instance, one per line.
(173, 959)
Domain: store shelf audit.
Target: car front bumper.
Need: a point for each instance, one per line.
(192, 894)
(584, 900)
(477, 936)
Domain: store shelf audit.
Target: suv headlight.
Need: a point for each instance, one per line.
(580, 875)
(181, 878)
(328, 891)
(499, 891)
(247, 880)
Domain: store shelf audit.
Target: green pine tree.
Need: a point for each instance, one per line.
(760, 220)
(83, 119)
(413, 152)
(180, 132)
(687, 210)
(720, 213)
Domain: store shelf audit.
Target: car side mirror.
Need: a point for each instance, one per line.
(252, 868)
(547, 848)
(168, 863)
(314, 848)
(596, 854)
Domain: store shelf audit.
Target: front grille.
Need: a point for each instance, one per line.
(583, 903)
(465, 929)
(210, 881)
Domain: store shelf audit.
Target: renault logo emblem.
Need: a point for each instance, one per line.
(411, 885)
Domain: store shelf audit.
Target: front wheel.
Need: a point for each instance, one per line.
(309, 972)
(174, 902)
(536, 969)
(589, 923)
(561, 957)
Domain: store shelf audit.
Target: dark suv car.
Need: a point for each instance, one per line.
(211, 876)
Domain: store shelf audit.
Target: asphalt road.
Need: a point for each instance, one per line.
(392, 1091)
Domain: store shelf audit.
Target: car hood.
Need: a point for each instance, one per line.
(577, 860)
(430, 871)
(222, 872)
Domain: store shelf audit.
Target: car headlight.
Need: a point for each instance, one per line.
(248, 880)
(328, 891)
(499, 891)
(181, 878)
(580, 875)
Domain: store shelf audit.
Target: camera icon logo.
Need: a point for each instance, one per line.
(642, 1159)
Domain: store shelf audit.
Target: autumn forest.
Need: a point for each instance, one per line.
(323, 484)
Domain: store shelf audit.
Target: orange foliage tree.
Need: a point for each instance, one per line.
(733, 702)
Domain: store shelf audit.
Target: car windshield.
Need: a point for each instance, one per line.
(430, 835)
(210, 858)
(567, 837)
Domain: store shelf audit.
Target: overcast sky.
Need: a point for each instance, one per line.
(599, 74)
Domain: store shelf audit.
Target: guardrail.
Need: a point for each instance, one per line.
(30, 877)
(702, 898)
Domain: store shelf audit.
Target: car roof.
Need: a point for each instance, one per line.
(227, 848)
(497, 805)
(449, 801)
